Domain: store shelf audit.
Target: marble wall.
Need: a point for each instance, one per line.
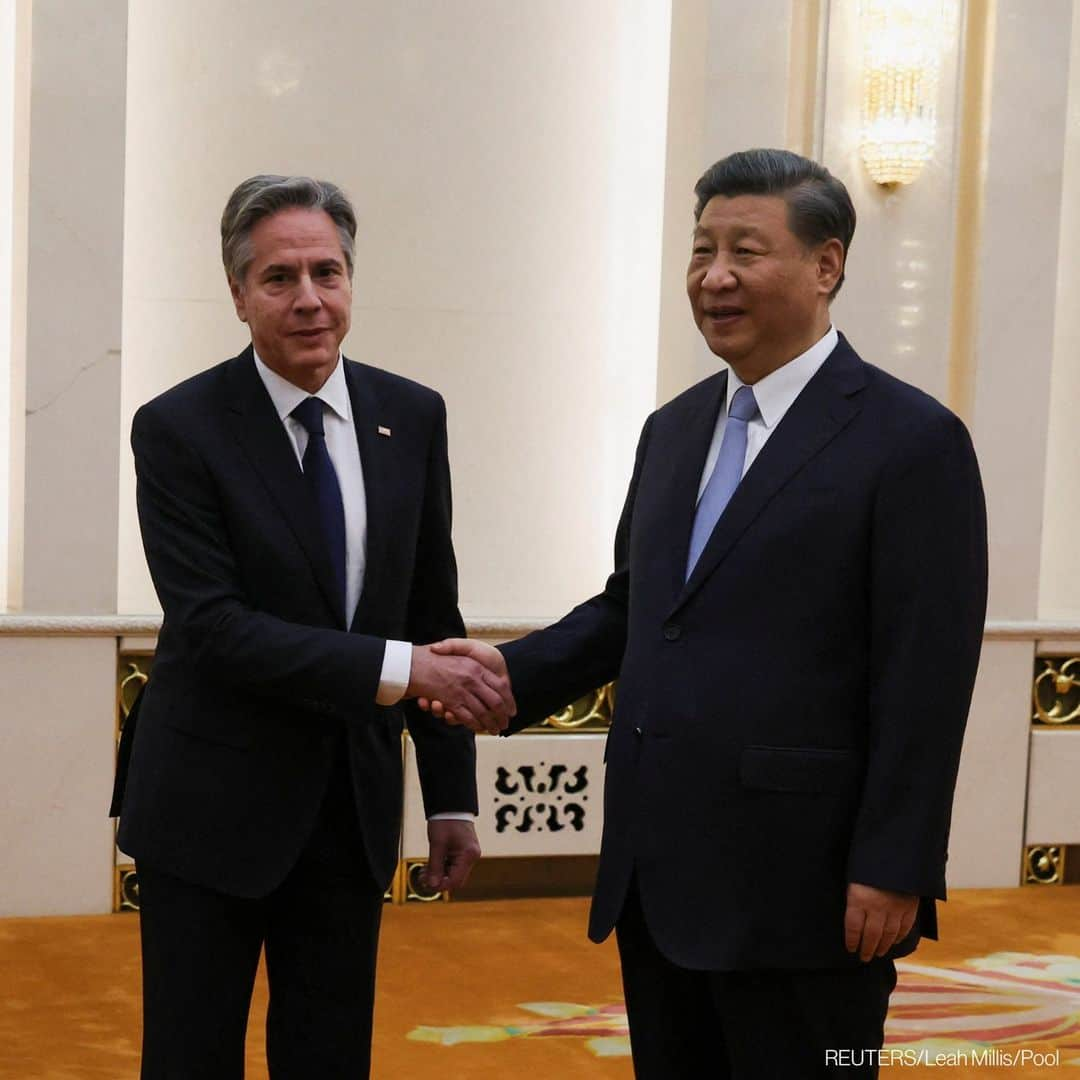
(507, 165)
(524, 176)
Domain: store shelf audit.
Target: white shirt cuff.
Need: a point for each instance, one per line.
(452, 816)
(396, 671)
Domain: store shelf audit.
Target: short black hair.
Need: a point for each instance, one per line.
(819, 206)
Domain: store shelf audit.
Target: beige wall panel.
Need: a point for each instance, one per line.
(988, 812)
(1059, 583)
(56, 764)
(539, 795)
(75, 220)
(1053, 807)
(729, 91)
(506, 161)
(895, 304)
(1018, 278)
(678, 361)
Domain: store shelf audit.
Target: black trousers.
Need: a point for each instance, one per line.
(745, 1025)
(320, 929)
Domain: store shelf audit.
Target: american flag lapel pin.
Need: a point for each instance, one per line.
(384, 431)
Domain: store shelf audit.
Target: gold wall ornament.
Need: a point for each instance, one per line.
(1044, 864)
(415, 889)
(132, 672)
(590, 713)
(1056, 691)
(126, 889)
(901, 42)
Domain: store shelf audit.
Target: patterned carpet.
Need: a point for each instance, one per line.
(512, 988)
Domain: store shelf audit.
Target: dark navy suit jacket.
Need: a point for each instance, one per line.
(257, 674)
(790, 719)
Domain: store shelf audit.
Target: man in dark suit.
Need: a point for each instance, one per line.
(295, 511)
(795, 619)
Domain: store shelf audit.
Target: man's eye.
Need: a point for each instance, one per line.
(701, 251)
(745, 251)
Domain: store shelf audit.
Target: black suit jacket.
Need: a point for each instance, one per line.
(257, 676)
(789, 719)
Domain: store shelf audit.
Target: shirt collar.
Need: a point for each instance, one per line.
(286, 395)
(776, 393)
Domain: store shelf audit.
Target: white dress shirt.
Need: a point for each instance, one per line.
(344, 452)
(775, 394)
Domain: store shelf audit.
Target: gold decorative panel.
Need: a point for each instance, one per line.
(1056, 691)
(1044, 864)
(414, 887)
(590, 713)
(133, 669)
(126, 889)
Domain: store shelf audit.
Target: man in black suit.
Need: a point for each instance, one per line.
(295, 511)
(795, 618)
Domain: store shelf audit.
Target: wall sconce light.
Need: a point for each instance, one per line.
(902, 42)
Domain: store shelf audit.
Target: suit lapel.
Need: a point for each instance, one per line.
(827, 404)
(374, 457)
(267, 445)
(688, 453)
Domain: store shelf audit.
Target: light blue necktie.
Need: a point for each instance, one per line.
(726, 473)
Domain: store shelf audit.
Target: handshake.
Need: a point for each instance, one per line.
(463, 682)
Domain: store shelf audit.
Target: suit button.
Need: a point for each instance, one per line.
(672, 632)
(637, 732)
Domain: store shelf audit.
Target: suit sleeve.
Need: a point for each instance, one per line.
(199, 585)
(446, 756)
(553, 667)
(928, 582)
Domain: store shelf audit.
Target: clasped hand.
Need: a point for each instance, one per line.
(463, 682)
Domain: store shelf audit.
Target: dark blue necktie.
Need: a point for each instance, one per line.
(323, 482)
(725, 475)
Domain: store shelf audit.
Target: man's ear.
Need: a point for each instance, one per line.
(237, 292)
(830, 264)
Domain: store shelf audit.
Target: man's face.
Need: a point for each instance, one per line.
(759, 296)
(296, 296)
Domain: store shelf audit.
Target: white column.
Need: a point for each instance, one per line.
(7, 239)
(1014, 347)
(75, 210)
(1059, 583)
(14, 98)
(731, 75)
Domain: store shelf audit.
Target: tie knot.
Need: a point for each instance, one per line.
(743, 405)
(310, 413)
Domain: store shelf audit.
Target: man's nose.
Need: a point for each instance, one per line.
(719, 275)
(307, 296)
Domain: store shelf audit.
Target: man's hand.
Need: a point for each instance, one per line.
(876, 919)
(453, 850)
(492, 660)
(464, 682)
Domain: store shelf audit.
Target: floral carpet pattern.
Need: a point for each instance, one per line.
(1004, 1000)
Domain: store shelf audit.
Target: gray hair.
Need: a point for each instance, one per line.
(260, 196)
